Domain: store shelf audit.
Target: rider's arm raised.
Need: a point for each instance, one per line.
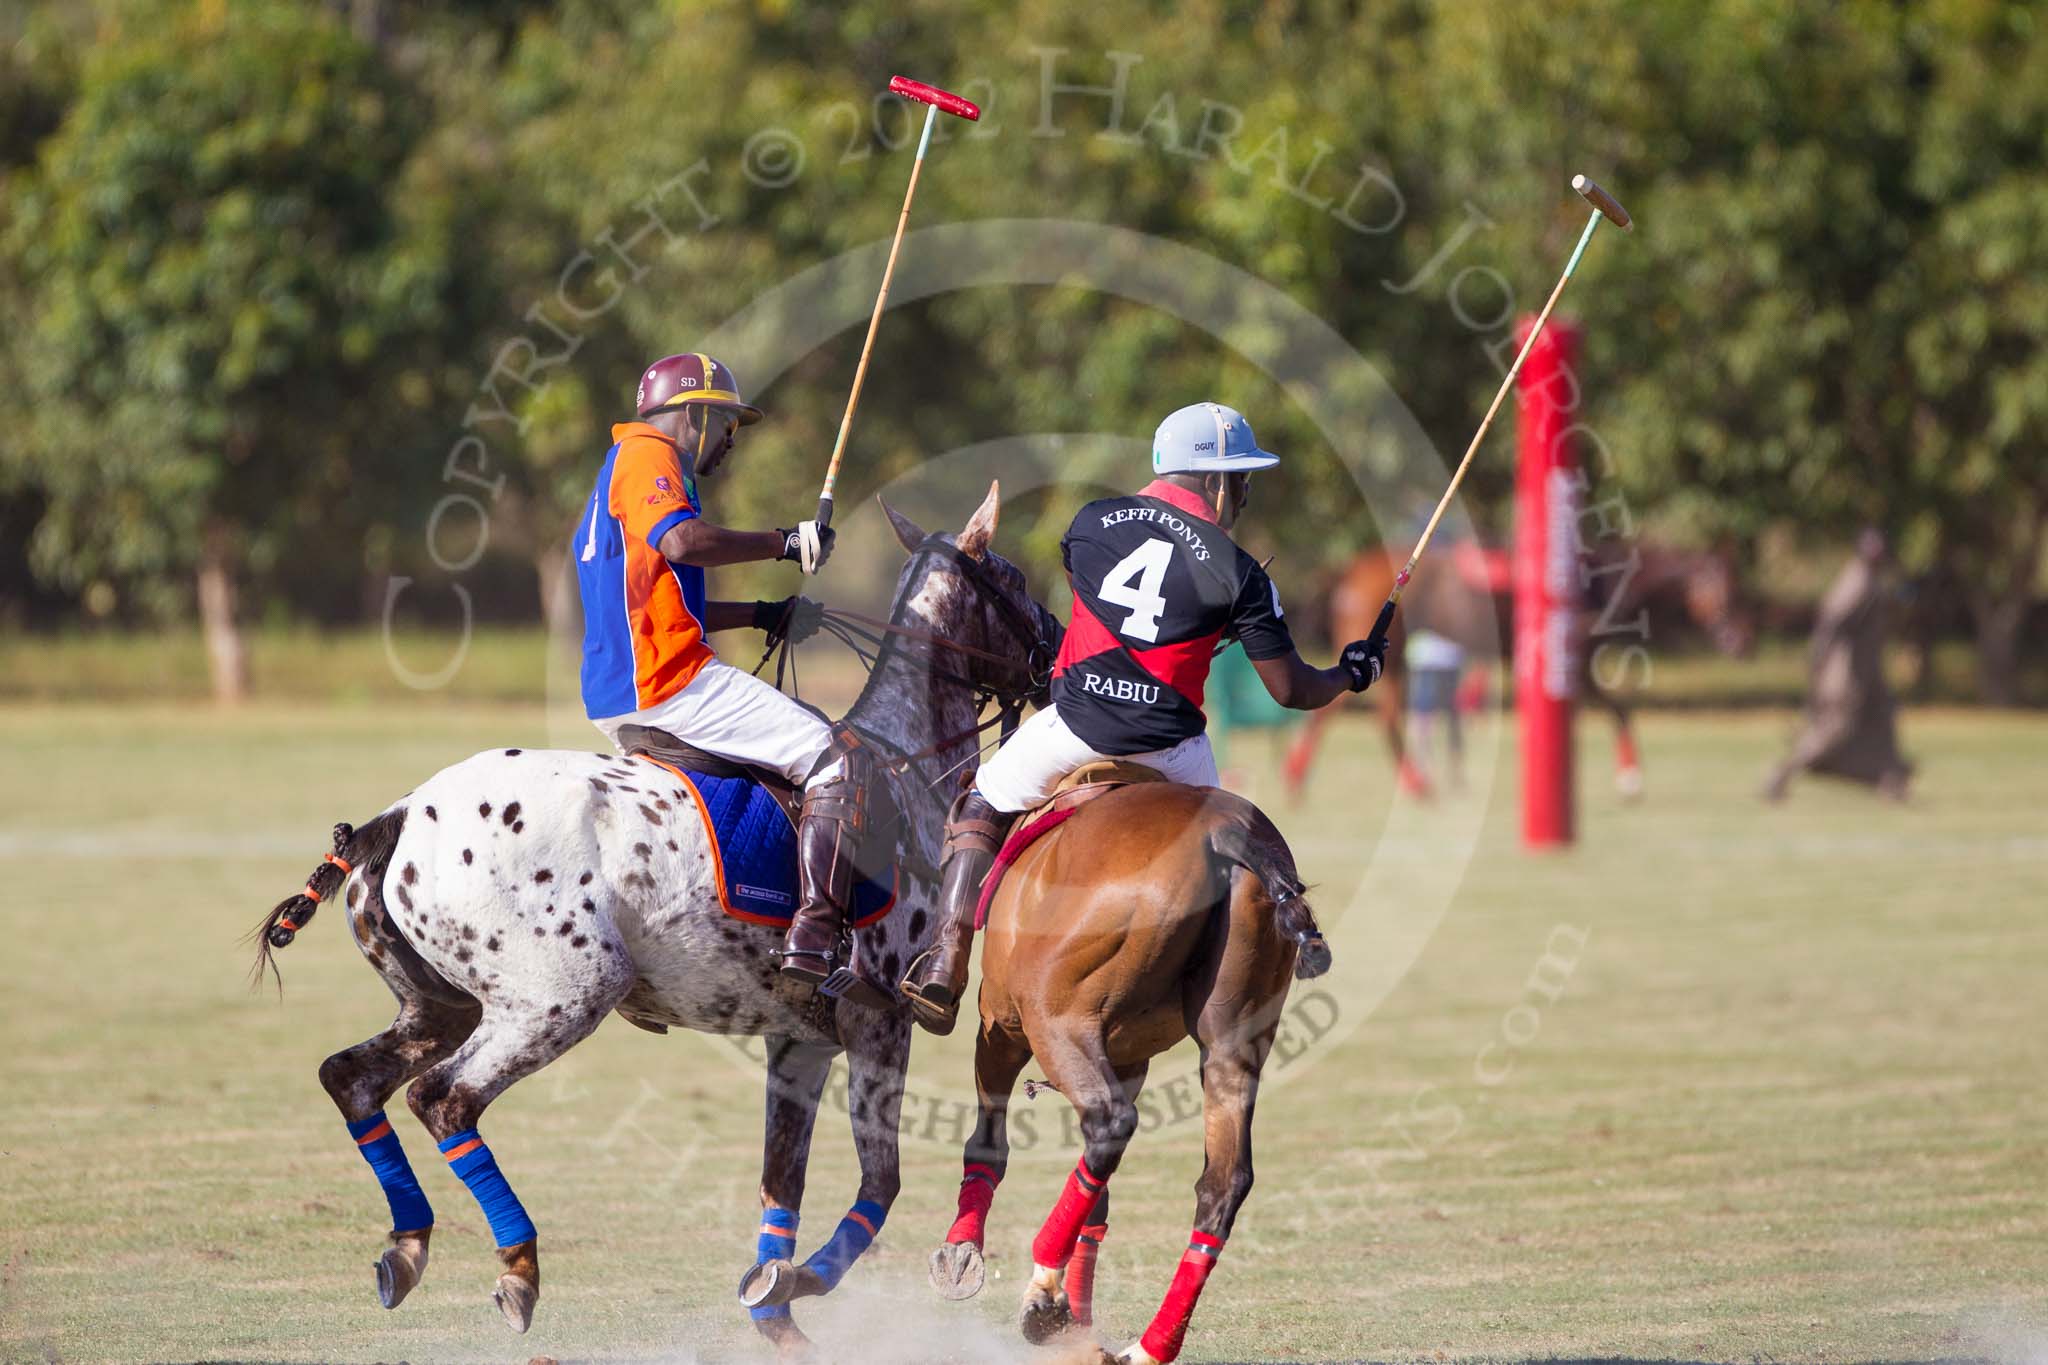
(1257, 622)
(657, 502)
(698, 542)
(1298, 685)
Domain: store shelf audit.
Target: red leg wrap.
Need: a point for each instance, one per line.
(1625, 750)
(1055, 1241)
(1162, 1340)
(977, 1192)
(1081, 1273)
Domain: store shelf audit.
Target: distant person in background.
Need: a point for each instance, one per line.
(1435, 665)
(1850, 728)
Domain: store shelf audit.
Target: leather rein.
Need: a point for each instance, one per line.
(872, 640)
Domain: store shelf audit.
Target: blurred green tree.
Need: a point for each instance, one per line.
(1837, 311)
(221, 276)
(237, 245)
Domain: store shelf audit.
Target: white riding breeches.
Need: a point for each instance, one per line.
(729, 712)
(1025, 770)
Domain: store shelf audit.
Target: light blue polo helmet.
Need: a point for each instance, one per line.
(1208, 438)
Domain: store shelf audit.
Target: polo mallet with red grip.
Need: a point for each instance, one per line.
(1605, 206)
(935, 100)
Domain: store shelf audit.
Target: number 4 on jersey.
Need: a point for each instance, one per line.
(1134, 583)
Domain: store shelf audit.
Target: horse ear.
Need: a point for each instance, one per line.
(981, 527)
(908, 533)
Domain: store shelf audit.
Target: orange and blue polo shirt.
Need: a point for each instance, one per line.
(643, 614)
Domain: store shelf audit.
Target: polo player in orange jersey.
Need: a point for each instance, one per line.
(641, 552)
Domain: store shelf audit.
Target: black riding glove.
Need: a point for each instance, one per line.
(1364, 660)
(807, 543)
(795, 617)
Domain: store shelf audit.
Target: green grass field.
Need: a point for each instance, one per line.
(1776, 1096)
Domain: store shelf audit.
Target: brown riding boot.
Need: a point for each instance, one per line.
(938, 976)
(828, 836)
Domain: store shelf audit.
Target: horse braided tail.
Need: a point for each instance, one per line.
(1246, 838)
(366, 850)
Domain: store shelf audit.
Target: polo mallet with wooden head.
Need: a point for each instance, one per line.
(1605, 206)
(935, 100)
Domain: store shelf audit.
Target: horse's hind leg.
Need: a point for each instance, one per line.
(1107, 1100)
(1230, 1087)
(1080, 1282)
(796, 1078)
(1628, 768)
(957, 1270)
(360, 1080)
(515, 1038)
(1301, 754)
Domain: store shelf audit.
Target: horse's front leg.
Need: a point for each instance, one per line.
(957, 1268)
(796, 1078)
(877, 1056)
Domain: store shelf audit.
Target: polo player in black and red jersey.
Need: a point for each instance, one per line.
(1157, 583)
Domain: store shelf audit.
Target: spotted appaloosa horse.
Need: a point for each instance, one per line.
(1627, 582)
(1155, 912)
(513, 901)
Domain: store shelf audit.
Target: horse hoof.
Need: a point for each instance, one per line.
(401, 1266)
(515, 1299)
(1044, 1316)
(958, 1271)
(768, 1285)
(790, 1343)
(1629, 783)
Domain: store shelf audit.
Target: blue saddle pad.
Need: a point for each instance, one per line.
(756, 848)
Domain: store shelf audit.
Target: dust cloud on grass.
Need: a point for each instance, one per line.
(2009, 1337)
(893, 1321)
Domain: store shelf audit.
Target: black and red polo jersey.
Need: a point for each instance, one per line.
(1156, 583)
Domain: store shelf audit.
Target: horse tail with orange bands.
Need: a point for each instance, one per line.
(367, 849)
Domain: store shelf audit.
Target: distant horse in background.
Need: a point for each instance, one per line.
(1467, 596)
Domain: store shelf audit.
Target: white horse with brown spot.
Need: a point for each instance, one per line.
(513, 901)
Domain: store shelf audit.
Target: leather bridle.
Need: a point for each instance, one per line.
(1034, 636)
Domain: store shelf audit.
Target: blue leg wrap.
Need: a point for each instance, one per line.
(777, 1243)
(855, 1233)
(380, 1147)
(474, 1165)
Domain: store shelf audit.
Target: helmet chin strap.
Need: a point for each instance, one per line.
(1222, 496)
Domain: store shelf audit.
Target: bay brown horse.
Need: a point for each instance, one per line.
(1156, 912)
(1466, 594)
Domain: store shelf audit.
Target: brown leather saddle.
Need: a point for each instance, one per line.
(666, 748)
(1089, 781)
(1075, 790)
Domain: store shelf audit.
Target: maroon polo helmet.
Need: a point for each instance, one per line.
(691, 377)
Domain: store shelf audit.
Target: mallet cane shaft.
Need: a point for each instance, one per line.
(934, 99)
(1604, 206)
